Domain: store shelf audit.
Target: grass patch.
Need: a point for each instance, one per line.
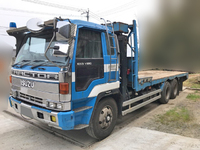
(193, 96)
(192, 82)
(176, 116)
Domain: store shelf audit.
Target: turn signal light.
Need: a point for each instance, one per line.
(11, 103)
(10, 78)
(64, 88)
(53, 118)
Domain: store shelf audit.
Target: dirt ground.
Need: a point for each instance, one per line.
(180, 116)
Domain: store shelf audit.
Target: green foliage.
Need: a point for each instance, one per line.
(192, 83)
(176, 115)
(193, 96)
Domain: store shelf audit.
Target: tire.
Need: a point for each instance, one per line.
(165, 94)
(104, 119)
(174, 89)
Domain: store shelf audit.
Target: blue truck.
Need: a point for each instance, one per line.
(73, 74)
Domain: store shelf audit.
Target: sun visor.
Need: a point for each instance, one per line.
(19, 33)
(22, 30)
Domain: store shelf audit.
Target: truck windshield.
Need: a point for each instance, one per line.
(34, 46)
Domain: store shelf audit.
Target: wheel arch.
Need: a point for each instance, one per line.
(94, 129)
(115, 94)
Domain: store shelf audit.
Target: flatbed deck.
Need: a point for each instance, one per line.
(156, 75)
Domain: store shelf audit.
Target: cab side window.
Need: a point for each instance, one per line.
(89, 44)
(89, 59)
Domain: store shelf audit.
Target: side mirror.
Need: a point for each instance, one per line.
(60, 50)
(63, 33)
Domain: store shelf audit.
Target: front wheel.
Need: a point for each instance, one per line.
(104, 119)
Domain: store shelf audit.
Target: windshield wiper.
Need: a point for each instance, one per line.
(21, 62)
(57, 62)
(28, 62)
(43, 63)
(35, 61)
(22, 65)
(39, 60)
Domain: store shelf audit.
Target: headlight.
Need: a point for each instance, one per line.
(14, 93)
(55, 105)
(52, 105)
(59, 106)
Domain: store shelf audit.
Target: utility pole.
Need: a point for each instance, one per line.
(87, 14)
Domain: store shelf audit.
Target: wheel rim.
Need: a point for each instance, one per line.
(105, 117)
(167, 93)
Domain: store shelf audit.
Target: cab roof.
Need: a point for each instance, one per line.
(50, 22)
(88, 24)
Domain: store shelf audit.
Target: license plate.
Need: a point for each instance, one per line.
(26, 111)
(27, 83)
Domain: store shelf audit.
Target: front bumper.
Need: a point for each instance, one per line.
(64, 120)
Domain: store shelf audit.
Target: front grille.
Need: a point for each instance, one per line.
(31, 98)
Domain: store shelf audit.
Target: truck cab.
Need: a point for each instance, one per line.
(73, 74)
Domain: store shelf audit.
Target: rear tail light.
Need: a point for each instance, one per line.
(128, 71)
(64, 88)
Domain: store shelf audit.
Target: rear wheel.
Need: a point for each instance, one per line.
(104, 119)
(165, 94)
(174, 89)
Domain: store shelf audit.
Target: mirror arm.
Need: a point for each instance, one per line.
(54, 34)
(64, 19)
(69, 20)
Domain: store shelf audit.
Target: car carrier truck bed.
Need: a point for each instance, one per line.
(156, 75)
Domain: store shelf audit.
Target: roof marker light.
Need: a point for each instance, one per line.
(13, 25)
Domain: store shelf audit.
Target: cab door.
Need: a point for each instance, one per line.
(89, 62)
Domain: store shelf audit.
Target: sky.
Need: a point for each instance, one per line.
(20, 11)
